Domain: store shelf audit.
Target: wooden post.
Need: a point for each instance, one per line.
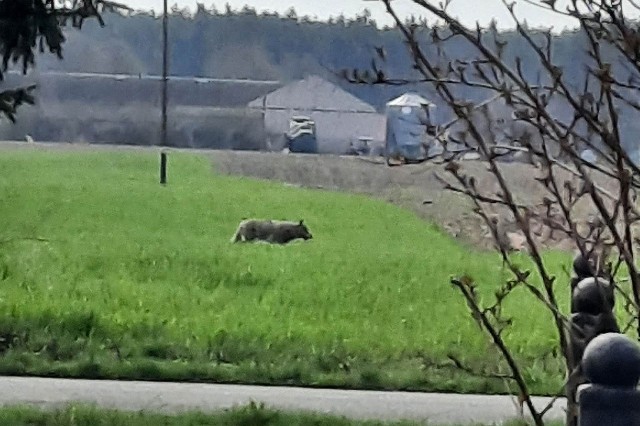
(163, 168)
(165, 68)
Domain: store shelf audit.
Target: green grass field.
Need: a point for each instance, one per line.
(251, 415)
(140, 281)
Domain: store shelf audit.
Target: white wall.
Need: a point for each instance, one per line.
(334, 130)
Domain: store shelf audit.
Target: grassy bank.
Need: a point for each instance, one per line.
(140, 281)
(244, 416)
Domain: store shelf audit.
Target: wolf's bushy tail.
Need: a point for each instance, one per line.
(237, 236)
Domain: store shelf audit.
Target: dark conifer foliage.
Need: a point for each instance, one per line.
(27, 25)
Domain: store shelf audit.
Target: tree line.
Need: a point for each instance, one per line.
(243, 43)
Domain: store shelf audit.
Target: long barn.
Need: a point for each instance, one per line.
(125, 109)
(202, 112)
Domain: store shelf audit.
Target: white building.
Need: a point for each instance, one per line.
(340, 118)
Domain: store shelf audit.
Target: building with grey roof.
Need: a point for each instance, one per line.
(202, 112)
(340, 118)
(125, 109)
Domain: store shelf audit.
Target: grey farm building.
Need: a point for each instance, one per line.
(340, 119)
(202, 113)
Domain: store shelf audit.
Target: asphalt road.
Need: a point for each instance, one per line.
(179, 397)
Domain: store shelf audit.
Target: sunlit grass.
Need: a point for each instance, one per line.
(139, 280)
(253, 415)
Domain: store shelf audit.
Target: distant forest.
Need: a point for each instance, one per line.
(267, 46)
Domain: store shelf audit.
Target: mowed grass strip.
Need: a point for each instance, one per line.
(250, 415)
(140, 281)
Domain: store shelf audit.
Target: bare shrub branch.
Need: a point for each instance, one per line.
(589, 204)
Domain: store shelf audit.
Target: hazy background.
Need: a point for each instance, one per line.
(245, 42)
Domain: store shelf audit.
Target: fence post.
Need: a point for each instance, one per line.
(592, 303)
(611, 364)
(163, 168)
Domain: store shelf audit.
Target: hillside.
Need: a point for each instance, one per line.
(413, 187)
(137, 280)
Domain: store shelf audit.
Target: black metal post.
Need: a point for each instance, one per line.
(163, 168)
(611, 364)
